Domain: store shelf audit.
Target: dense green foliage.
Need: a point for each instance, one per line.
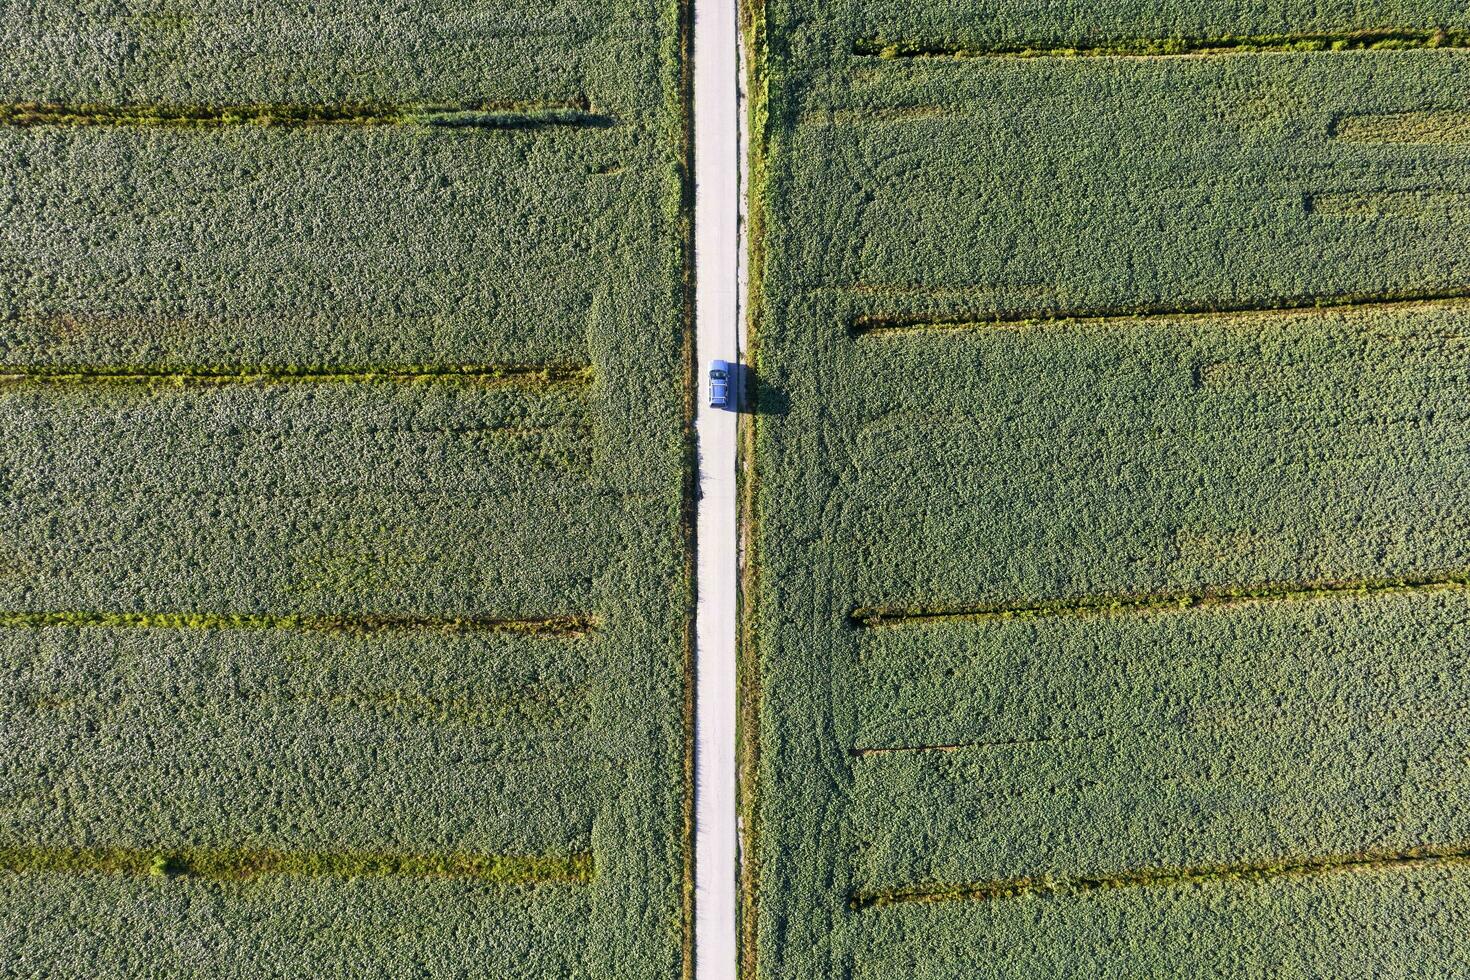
(343, 588)
(1111, 485)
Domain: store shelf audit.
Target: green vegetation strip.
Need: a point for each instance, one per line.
(1246, 871)
(243, 865)
(876, 616)
(549, 626)
(463, 115)
(879, 325)
(518, 375)
(1377, 39)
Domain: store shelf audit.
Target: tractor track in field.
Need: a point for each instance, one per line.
(880, 325)
(1397, 38)
(576, 114)
(1224, 596)
(370, 624)
(1067, 886)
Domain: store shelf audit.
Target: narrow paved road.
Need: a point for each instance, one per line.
(718, 266)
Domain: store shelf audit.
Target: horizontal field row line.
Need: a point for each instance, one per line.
(343, 624)
(1049, 886)
(876, 617)
(526, 702)
(1373, 39)
(247, 864)
(881, 325)
(575, 113)
(509, 375)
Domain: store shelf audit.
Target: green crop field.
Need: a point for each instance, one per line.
(343, 568)
(1111, 489)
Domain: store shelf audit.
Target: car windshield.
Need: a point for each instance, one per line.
(717, 375)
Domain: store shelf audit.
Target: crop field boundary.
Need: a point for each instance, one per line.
(223, 865)
(1046, 886)
(877, 617)
(1375, 39)
(886, 325)
(501, 375)
(344, 624)
(575, 113)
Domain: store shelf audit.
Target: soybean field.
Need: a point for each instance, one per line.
(1110, 490)
(343, 568)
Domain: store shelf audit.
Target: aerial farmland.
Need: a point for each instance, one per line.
(1109, 483)
(343, 569)
(1099, 530)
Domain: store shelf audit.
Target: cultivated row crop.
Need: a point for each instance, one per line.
(343, 591)
(1110, 489)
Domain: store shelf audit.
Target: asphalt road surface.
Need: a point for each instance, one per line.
(719, 285)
